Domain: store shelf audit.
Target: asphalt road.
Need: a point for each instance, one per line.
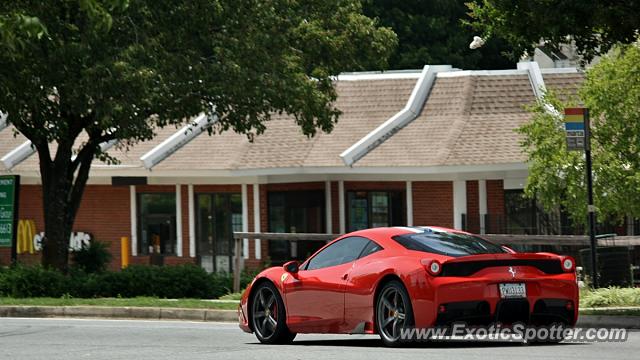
(35, 339)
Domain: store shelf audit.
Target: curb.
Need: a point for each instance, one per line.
(608, 321)
(158, 313)
(119, 313)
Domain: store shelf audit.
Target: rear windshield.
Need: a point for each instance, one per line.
(449, 244)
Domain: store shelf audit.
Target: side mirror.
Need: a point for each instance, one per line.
(508, 249)
(291, 267)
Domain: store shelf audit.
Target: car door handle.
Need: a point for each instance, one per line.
(344, 277)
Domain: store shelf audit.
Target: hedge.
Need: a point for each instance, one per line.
(174, 282)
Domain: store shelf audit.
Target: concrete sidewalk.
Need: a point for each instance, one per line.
(159, 313)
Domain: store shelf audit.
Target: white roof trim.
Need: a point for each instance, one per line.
(570, 70)
(407, 170)
(18, 155)
(379, 76)
(128, 170)
(108, 145)
(399, 120)
(177, 140)
(104, 146)
(481, 73)
(537, 83)
(3, 120)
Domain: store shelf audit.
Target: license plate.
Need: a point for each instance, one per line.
(513, 291)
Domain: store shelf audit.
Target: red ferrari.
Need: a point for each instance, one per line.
(385, 279)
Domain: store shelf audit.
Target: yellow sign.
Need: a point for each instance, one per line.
(26, 233)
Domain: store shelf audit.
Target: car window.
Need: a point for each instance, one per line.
(340, 252)
(371, 248)
(448, 243)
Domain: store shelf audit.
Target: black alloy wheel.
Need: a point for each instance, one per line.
(393, 313)
(268, 316)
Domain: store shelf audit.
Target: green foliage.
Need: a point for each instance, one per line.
(557, 177)
(128, 302)
(172, 282)
(433, 32)
(607, 297)
(232, 296)
(92, 258)
(32, 281)
(119, 70)
(595, 25)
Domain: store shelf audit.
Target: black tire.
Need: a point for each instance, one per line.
(268, 316)
(393, 313)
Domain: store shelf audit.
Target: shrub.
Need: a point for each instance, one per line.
(92, 258)
(182, 281)
(32, 281)
(612, 296)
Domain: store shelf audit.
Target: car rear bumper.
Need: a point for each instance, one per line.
(550, 299)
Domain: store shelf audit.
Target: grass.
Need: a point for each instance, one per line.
(132, 302)
(232, 296)
(609, 297)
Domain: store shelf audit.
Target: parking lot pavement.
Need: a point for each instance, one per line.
(35, 339)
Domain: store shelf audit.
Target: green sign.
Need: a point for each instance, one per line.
(8, 209)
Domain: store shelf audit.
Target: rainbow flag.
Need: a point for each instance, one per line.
(574, 119)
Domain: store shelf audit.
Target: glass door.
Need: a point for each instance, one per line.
(295, 212)
(218, 216)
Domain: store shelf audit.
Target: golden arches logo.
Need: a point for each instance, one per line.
(26, 233)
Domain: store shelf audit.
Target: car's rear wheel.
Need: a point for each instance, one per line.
(393, 313)
(268, 316)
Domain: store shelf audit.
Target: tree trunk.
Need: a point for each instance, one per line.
(63, 182)
(58, 223)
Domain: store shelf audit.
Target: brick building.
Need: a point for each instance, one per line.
(430, 147)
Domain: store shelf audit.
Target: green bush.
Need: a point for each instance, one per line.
(92, 258)
(32, 281)
(182, 281)
(612, 296)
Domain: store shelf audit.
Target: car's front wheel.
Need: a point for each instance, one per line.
(268, 316)
(393, 313)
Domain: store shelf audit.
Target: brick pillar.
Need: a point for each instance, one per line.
(473, 209)
(495, 206)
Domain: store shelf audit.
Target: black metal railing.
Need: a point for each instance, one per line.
(542, 224)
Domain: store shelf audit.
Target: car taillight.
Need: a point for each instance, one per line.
(433, 267)
(568, 264)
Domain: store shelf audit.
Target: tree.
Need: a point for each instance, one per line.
(78, 73)
(557, 177)
(594, 25)
(434, 32)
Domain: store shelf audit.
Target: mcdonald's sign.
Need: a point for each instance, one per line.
(26, 233)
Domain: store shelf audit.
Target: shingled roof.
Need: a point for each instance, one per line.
(469, 118)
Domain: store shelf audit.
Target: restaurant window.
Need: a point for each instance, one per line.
(295, 212)
(218, 216)
(369, 209)
(157, 219)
